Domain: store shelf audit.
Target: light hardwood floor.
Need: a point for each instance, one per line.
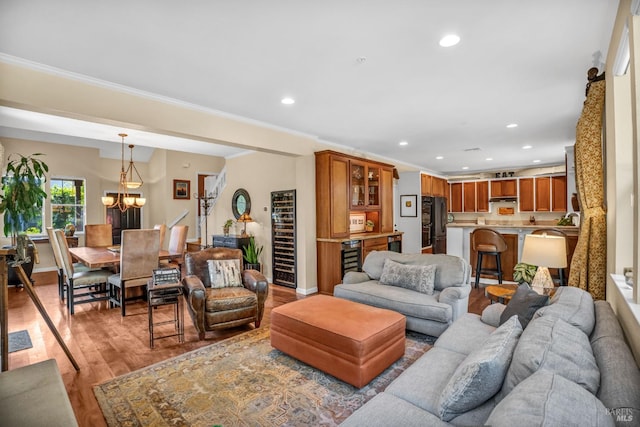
(105, 345)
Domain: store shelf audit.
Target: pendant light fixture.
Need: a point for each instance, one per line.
(127, 181)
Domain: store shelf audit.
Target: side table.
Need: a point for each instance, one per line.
(500, 293)
(166, 294)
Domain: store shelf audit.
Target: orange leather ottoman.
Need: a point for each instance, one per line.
(351, 341)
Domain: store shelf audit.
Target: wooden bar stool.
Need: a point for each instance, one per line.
(486, 241)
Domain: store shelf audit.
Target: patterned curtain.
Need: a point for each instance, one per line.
(588, 266)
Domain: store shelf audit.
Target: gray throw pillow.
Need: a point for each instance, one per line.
(418, 278)
(524, 303)
(224, 273)
(481, 374)
(549, 399)
(556, 346)
(574, 306)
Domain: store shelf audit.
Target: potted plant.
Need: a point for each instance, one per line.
(252, 255)
(368, 226)
(227, 225)
(21, 200)
(524, 273)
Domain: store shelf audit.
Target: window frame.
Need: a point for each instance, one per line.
(83, 205)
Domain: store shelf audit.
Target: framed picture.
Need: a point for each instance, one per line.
(181, 189)
(409, 205)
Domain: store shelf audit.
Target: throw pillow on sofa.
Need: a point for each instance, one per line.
(549, 399)
(524, 303)
(224, 273)
(481, 374)
(574, 306)
(556, 346)
(418, 278)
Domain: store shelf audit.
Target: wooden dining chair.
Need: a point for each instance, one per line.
(81, 286)
(163, 232)
(96, 235)
(57, 256)
(139, 250)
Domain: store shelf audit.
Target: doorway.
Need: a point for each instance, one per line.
(127, 220)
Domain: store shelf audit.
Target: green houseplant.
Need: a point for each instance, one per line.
(21, 201)
(524, 273)
(227, 225)
(252, 255)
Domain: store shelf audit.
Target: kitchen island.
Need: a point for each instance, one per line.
(459, 241)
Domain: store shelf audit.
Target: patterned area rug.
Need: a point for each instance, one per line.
(240, 381)
(19, 340)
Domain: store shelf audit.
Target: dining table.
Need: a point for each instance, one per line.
(108, 256)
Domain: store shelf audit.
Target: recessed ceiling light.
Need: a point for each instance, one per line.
(512, 125)
(403, 143)
(288, 101)
(464, 168)
(526, 147)
(449, 40)
(489, 159)
(536, 161)
(439, 157)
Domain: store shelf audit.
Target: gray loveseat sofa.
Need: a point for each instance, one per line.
(569, 366)
(428, 313)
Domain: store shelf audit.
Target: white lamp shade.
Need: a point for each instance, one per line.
(140, 201)
(544, 251)
(107, 201)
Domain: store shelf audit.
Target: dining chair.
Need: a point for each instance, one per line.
(96, 235)
(139, 251)
(177, 245)
(163, 232)
(82, 286)
(57, 256)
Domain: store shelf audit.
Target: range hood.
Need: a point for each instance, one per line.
(512, 199)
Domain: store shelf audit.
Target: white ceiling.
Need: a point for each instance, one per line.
(365, 74)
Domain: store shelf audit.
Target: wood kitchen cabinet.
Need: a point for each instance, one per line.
(559, 193)
(386, 208)
(469, 196)
(527, 194)
(482, 196)
(425, 184)
(455, 199)
(365, 185)
(504, 188)
(543, 194)
(332, 195)
(439, 187)
(377, 244)
(508, 259)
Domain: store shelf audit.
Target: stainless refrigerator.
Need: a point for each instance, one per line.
(439, 225)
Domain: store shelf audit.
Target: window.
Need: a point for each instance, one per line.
(67, 203)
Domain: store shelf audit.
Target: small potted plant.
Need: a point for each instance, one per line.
(524, 273)
(368, 226)
(252, 255)
(227, 226)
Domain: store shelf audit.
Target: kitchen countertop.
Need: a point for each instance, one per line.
(566, 228)
(360, 236)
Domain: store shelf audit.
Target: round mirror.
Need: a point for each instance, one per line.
(240, 203)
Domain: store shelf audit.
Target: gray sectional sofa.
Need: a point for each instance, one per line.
(569, 366)
(432, 291)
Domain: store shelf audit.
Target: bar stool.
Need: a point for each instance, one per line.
(559, 233)
(486, 241)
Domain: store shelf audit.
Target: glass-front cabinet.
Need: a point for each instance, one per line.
(365, 186)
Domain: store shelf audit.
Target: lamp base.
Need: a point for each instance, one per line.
(542, 282)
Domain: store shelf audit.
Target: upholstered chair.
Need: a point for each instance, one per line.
(139, 251)
(163, 232)
(96, 235)
(177, 245)
(212, 307)
(57, 256)
(81, 286)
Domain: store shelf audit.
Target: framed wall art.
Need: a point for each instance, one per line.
(181, 189)
(409, 205)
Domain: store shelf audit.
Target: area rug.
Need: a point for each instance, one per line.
(19, 340)
(240, 381)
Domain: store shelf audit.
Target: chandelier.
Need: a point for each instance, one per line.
(128, 181)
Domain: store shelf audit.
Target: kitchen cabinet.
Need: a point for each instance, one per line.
(543, 194)
(456, 197)
(469, 196)
(365, 185)
(439, 187)
(386, 209)
(482, 196)
(559, 193)
(504, 188)
(377, 244)
(425, 184)
(527, 195)
(332, 195)
(508, 259)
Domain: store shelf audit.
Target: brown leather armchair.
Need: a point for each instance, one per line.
(220, 308)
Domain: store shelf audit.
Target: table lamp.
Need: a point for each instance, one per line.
(546, 252)
(245, 218)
